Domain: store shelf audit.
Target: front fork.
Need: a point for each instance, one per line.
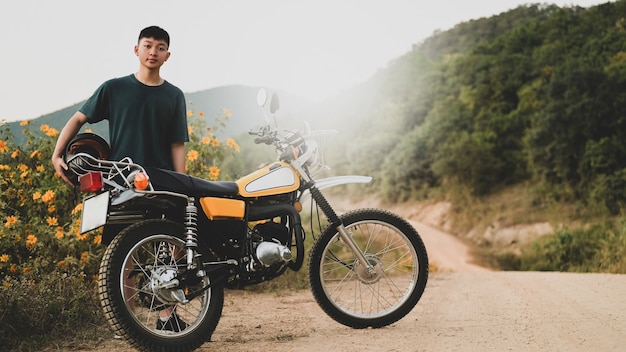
(341, 229)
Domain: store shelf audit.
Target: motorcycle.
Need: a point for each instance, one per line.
(183, 240)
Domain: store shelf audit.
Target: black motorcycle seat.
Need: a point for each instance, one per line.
(166, 180)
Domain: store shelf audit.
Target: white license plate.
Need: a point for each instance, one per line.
(95, 210)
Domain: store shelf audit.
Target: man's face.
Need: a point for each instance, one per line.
(152, 53)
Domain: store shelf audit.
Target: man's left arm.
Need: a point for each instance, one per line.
(178, 156)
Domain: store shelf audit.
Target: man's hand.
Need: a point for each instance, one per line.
(68, 132)
(60, 168)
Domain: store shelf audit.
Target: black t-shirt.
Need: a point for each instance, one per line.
(144, 120)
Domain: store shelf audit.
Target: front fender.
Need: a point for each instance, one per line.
(332, 182)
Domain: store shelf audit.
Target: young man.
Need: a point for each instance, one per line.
(147, 115)
(147, 122)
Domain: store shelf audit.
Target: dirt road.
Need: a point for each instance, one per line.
(487, 311)
(464, 308)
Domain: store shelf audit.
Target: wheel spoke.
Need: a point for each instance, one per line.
(350, 288)
(152, 263)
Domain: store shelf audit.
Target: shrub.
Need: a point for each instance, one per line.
(47, 266)
(579, 250)
(47, 307)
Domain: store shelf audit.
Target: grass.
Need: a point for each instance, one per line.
(585, 240)
(56, 309)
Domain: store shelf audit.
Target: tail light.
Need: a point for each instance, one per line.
(91, 182)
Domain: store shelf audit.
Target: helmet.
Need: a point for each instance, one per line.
(89, 143)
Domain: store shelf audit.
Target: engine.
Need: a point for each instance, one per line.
(270, 247)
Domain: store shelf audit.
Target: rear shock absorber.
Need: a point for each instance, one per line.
(191, 232)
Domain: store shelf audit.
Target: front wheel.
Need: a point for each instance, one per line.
(347, 291)
(148, 295)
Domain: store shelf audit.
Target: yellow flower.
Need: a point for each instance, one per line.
(3, 147)
(36, 195)
(216, 142)
(88, 130)
(13, 268)
(4, 258)
(82, 236)
(40, 168)
(189, 113)
(84, 258)
(232, 144)
(52, 209)
(206, 140)
(11, 220)
(61, 264)
(201, 113)
(24, 123)
(44, 128)
(15, 154)
(59, 234)
(31, 240)
(190, 130)
(77, 209)
(35, 154)
(22, 167)
(27, 270)
(192, 155)
(48, 197)
(97, 239)
(214, 172)
(227, 112)
(52, 132)
(52, 221)
(24, 174)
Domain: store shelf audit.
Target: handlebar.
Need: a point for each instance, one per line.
(294, 145)
(267, 139)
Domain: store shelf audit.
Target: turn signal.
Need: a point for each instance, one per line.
(141, 181)
(295, 153)
(91, 182)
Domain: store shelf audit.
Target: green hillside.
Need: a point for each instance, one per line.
(536, 94)
(240, 100)
(517, 118)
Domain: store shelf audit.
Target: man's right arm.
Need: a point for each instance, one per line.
(68, 132)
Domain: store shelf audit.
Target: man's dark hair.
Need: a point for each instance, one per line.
(155, 32)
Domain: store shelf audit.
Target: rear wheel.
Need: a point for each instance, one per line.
(346, 290)
(149, 297)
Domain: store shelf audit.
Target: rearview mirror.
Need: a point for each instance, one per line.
(274, 103)
(261, 97)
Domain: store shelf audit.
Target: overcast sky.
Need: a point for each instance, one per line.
(56, 53)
